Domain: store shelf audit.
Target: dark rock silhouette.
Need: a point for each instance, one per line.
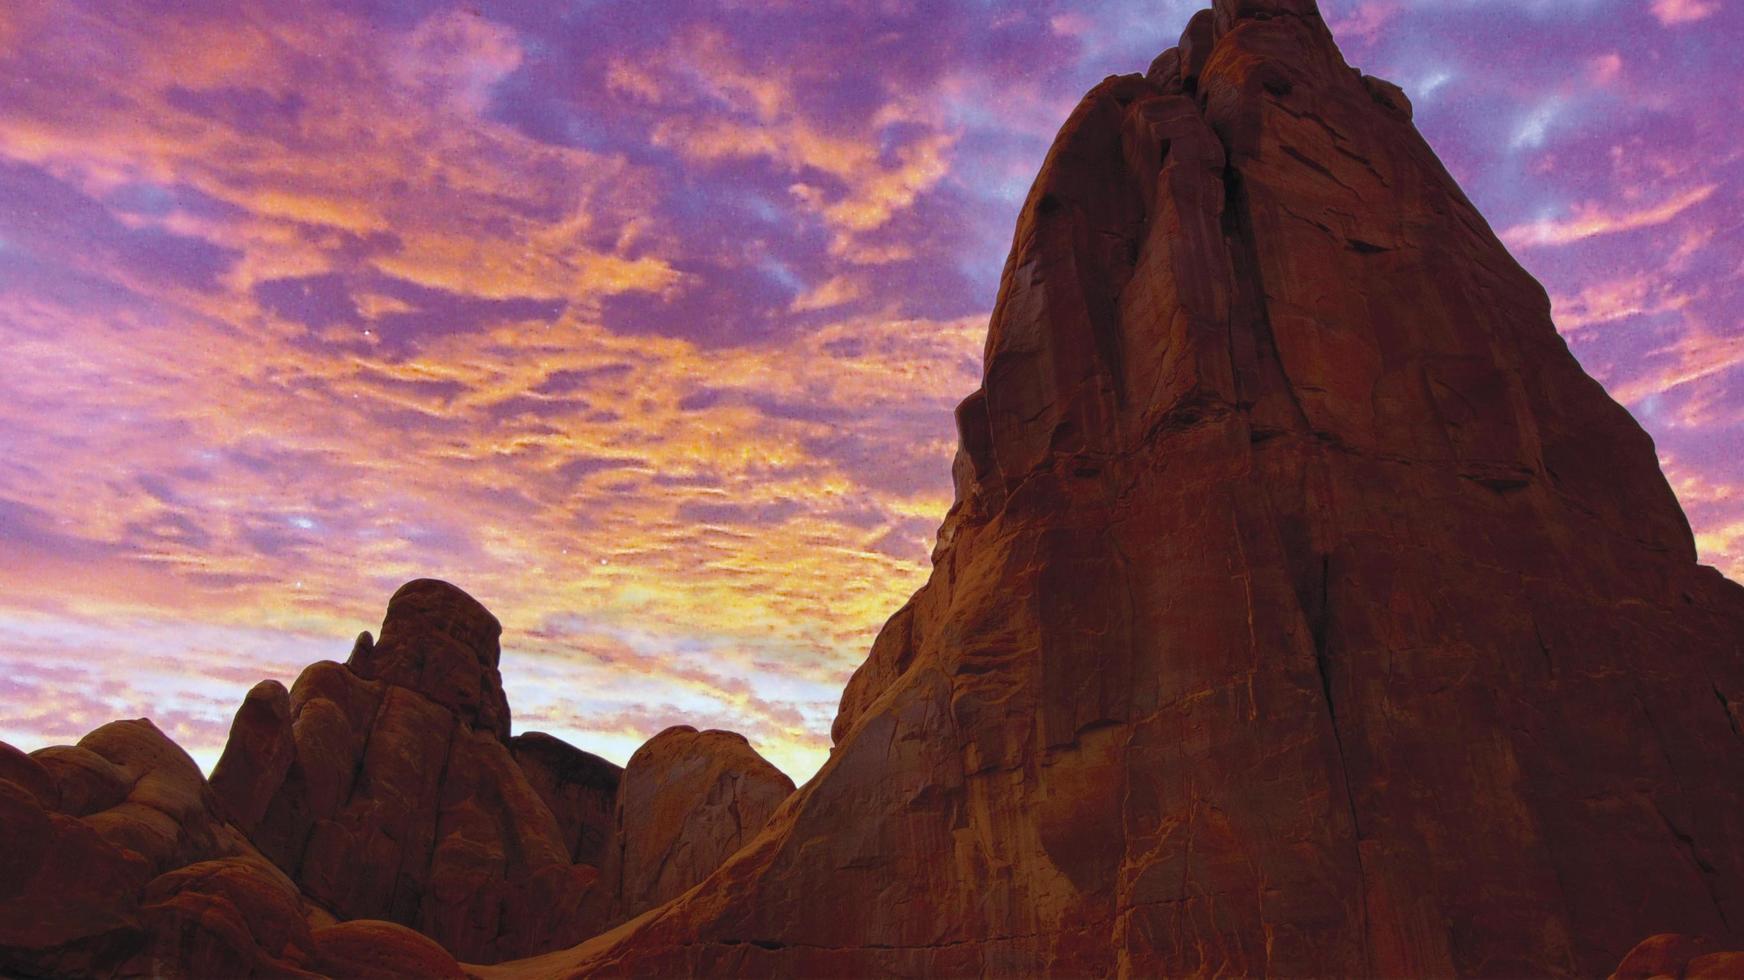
(115, 861)
(580, 788)
(384, 787)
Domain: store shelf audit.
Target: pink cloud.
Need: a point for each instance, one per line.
(1605, 68)
(1365, 20)
(1608, 300)
(1592, 219)
(1674, 12)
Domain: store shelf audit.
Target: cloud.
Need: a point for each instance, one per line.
(1362, 21)
(1609, 300)
(646, 330)
(834, 291)
(1697, 354)
(1593, 219)
(718, 109)
(1672, 13)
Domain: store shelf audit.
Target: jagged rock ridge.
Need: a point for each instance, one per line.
(1305, 609)
(373, 796)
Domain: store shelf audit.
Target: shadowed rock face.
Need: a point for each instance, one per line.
(580, 788)
(116, 863)
(442, 643)
(1304, 610)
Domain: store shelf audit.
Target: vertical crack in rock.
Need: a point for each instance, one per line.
(1726, 707)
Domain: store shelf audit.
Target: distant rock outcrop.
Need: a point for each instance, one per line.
(373, 821)
(689, 800)
(1305, 610)
(580, 788)
(386, 789)
(114, 861)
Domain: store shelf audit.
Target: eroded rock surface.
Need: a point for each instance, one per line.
(1305, 608)
(372, 821)
(385, 788)
(580, 788)
(689, 799)
(115, 861)
(1679, 957)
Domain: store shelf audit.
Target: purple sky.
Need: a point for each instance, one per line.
(643, 322)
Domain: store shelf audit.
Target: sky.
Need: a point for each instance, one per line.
(643, 323)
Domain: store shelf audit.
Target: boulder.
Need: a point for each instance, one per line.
(114, 860)
(580, 788)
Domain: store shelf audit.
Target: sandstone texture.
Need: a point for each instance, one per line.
(689, 800)
(385, 787)
(1679, 957)
(373, 821)
(1304, 610)
(580, 788)
(114, 861)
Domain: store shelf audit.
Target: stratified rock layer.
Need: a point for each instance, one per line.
(1305, 609)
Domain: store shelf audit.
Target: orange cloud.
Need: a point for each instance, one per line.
(831, 292)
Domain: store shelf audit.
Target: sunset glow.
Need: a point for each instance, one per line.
(644, 323)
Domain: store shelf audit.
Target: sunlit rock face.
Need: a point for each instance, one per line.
(689, 800)
(1305, 609)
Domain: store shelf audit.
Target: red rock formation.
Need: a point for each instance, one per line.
(114, 861)
(376, 800)
(580, 788)
(1304, 610)
(374, 950)
(386, 789)
(1679, 957)
(689, 799)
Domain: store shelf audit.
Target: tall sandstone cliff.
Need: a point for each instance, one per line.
(1304, 610)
